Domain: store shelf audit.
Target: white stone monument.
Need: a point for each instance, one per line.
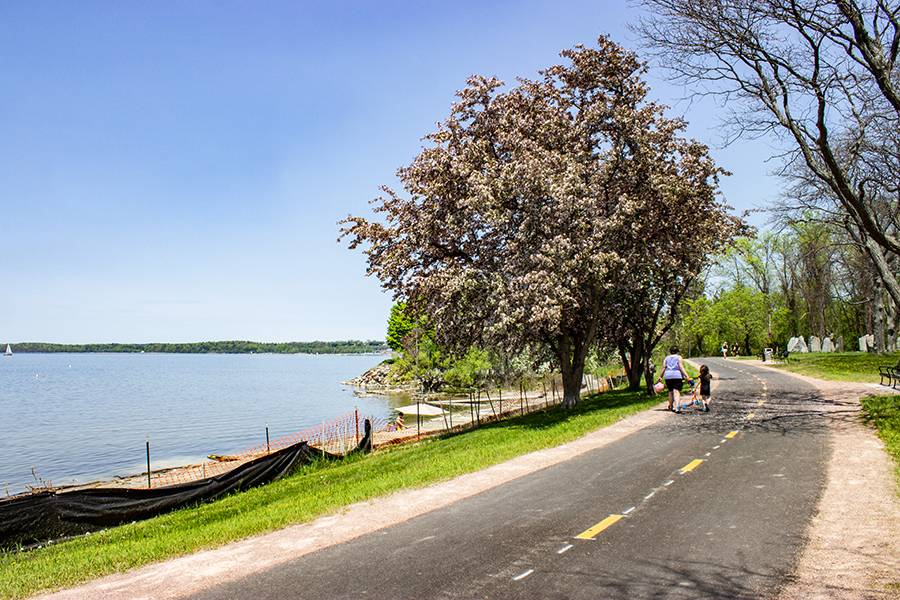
(827, 345)
(815, 345)
(797, 344)
(839, 346)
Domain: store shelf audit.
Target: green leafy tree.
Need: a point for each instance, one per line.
(400, 326)
(740, 316)
(699, 326)
(468, 371)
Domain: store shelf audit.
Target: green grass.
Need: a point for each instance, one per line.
(884, 413)
(840, 366)
(314, 491)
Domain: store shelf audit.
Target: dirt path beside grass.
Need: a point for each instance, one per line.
(853, 548)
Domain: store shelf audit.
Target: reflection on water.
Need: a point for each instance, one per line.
(78, 417)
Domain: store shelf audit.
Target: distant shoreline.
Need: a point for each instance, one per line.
(220, 347)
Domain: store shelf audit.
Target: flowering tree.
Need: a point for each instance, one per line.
(674, 227)
(527, 217)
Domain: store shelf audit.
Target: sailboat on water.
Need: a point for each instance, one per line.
(8, 351)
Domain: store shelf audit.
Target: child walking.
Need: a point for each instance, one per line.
(705, 387)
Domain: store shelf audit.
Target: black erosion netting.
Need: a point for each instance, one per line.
(46, 515)
(49, 515)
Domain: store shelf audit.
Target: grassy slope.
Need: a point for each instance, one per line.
(314, 491)
(843, 366)
(884, 413)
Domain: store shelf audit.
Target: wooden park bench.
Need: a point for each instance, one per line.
(890, 375)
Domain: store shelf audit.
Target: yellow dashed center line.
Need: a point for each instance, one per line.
(593, 532)
(691, 466)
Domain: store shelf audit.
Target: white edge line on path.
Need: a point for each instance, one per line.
(565, 548)
(523, 575)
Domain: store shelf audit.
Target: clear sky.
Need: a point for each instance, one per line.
(174, 171)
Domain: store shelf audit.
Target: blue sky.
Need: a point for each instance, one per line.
(175, 171)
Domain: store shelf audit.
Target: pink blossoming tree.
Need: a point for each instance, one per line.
(542, 215)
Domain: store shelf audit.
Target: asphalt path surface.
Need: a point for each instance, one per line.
(639, 518)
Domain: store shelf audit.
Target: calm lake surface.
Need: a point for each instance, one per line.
(81, 417)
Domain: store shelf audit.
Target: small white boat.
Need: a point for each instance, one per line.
(8, 351)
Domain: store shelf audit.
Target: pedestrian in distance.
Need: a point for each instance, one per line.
(724, 349)
(674, 376)
(735, 351)
(705, 386)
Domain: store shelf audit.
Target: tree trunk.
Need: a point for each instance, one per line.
(632, 364)
(572, 386)
(571, 354)
(572, 374)
(878, 316)
(648, 379)
(890, 324)
(883, 269)
(638, 365)
(634, 368)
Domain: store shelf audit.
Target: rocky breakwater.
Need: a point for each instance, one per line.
(377, 379)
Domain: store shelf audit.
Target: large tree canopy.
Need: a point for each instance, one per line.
(537, 208)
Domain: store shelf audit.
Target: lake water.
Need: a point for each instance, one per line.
(80, 417)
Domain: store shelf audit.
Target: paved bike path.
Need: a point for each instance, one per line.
(662, 523)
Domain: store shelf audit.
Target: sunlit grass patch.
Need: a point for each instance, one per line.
(840, 366)
(884, 413)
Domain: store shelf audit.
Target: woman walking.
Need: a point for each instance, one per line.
(674, 374)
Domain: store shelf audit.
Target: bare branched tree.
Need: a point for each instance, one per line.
(821, 75)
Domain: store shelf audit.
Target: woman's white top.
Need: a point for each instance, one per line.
(672, 367)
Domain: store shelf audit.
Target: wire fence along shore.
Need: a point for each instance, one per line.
(339, 436)
(457, 413)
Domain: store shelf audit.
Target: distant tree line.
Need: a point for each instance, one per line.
(806, 278)
(224, 347)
